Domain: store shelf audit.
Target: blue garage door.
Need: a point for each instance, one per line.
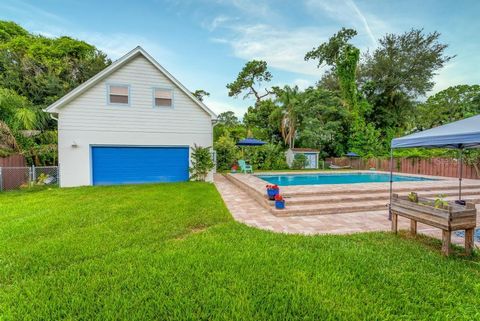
(135, 165)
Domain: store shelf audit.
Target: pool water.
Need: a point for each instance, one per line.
(336, 178)
(476, 234)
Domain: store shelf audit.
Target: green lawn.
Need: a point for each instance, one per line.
(174, 252)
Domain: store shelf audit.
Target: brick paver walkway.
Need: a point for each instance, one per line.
(246, 210)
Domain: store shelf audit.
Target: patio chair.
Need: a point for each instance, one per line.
(244, 167)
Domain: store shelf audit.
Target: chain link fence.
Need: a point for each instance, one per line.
(25, 177)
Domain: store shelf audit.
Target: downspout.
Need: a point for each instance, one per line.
(391, 183)
(53, 117)
(215, 122)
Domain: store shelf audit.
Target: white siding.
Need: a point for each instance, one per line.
(90, 120)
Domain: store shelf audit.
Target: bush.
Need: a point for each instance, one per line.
(202, 163)
(227, 152)
(266, 157)
(300, 161)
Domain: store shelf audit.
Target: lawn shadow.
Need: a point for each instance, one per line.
(434, 244)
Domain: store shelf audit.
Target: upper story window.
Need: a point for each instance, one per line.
(119, 94)
(162, 97)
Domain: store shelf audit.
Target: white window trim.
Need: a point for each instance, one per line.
(166, 89)
(118, 85)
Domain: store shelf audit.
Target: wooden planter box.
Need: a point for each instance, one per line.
(449, 218)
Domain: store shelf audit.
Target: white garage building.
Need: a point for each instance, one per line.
(131, 123)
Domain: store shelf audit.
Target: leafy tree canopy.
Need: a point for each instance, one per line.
(399, 71)
(228, 118)
(44, 69)
(448, 105)
(201, 94)
(250, 78)
(328, 53)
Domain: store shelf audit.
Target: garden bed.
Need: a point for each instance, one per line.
(447, 216)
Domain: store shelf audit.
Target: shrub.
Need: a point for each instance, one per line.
(202, 163)
(300, 161)
(227, 152)
(266, 157)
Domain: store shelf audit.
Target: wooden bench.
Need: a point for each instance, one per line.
(449, 218)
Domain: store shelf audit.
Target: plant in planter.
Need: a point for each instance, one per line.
(279, 202)
(440, 202)
(413, 197)
(272, 191)
(234, 168)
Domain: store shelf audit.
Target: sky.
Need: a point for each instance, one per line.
(205, 43)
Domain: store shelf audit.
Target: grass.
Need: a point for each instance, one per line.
(174, 252)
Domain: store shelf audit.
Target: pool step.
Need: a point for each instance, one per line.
(334, 190)
(321, 199)
(341, 199)
(341, 207)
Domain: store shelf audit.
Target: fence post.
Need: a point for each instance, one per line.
(1, 179)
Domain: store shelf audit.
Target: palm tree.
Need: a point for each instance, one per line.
(289, 98)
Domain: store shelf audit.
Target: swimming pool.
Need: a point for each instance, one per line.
(336, 178)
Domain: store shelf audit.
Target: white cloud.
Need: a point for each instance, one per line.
(302, 84)
(220, 106)
(281, 48)
(252, 8)
(453, 74)
(348, 13)
(216, 22)
(114, 45)
(118, 44)
(28, 10)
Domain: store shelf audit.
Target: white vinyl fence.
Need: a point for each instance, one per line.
(24, 177)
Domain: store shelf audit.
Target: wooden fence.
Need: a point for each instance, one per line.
(447, 167)
(13, 161)
(12, 173)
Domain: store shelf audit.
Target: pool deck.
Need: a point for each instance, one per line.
(245, 208)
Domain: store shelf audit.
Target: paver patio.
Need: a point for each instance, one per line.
(248, 211)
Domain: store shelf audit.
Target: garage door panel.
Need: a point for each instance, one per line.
(134, 165)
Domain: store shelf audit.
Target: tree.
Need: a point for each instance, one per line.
(265, 116)
(323, 122)
(453, 103)
(35, 71)
(9, 30)
(343, 58)
(399, 71)
(329, 52)
(226, 151)
(228, 118)
(200, 94)
(43, 69)
(289, 99)
(253, 74)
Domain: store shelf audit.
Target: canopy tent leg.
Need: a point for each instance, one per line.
(460, 174)
(391, 183)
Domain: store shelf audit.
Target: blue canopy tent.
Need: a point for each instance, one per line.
(351, 154)
(250, 142)
(462, 134)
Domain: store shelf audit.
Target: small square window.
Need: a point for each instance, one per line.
(118, 94)
(163, 97)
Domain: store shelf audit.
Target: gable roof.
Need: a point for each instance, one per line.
(53, 108)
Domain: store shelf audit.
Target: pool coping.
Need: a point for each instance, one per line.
(258, 184)
(425, 178)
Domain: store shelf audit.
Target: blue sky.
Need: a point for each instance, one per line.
(205, 43)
